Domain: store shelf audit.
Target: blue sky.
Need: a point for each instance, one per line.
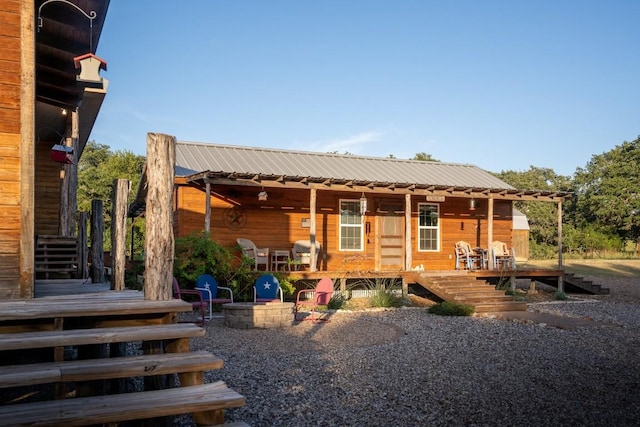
(504, 85)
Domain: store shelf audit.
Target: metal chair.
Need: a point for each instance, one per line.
(191, 296)
(208, 287)
(266, 289)
(321, 295)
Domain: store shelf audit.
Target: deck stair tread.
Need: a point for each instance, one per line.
(115, 408)
(130, 303)
(115, 367)
(571, 282)
(72, 337)
(483, 296)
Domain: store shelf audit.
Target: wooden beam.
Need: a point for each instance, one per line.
(407, 234)
(27, 138)
(312, 230)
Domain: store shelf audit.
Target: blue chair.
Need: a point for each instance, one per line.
(208, 287)
(266, 289)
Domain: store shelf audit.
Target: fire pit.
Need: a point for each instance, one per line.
(249, 315)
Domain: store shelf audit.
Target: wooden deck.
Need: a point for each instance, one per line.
(36, 334)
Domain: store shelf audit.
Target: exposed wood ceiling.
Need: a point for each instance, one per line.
(64, 33)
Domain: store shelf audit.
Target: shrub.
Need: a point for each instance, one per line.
(197, 254)
(384, 294)
(561, 296)
(447, 308)
(336, 302)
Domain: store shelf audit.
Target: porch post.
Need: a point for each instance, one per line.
(408, 260)
(490, 231)
(312, 230)
(560, 264)
(207, 208)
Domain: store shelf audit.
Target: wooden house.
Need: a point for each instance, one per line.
(46, 116)
(57, 353)
(364, 213)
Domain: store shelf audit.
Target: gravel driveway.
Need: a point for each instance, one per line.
(405, 367)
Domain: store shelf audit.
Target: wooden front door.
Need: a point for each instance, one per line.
(390, 235)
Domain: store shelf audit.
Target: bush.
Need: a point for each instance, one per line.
(561, 296)
(197, 254)
(451, 309)
(336, 302)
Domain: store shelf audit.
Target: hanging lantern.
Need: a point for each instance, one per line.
(472, 204)
(363, 205)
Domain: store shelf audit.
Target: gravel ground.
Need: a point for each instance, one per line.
(405, 367)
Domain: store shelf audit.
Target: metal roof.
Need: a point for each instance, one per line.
(193, 158)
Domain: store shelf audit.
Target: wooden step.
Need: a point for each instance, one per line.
(500, 306)
(467, 299)
(126, 303)
(83, 411)
(100, 369)
(43, 339)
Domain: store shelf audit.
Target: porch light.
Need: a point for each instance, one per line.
(472, 204)
(363, 205)
(263, 196)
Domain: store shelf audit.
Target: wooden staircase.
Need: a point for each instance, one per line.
(469, 290)
(573, 283)
(56, 256)
(57, 362)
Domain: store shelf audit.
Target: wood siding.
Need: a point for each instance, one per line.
(278, 222)
(10, 149)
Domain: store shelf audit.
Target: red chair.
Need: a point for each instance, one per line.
(321, 295)
(193, 297)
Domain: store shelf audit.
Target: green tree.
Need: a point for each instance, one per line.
(98, 168)
(608, 191)
(424, 157)
(543, 217)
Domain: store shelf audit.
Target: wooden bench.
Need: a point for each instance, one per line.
(56, 256)
(40, 330)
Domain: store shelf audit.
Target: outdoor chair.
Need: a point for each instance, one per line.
(191, 296)
(313, 298)
(208, 287)
(266, 289)
(503, 258)
(467, 257)
(259, 256)
(301, 253)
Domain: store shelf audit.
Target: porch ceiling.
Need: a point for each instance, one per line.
(65, 33)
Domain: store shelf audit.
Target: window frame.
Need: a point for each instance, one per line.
(437, 228)
(341, 225)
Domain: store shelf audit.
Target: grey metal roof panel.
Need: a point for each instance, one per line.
(192, 158)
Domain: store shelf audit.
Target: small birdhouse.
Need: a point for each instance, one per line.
(62, 154)
(89, 66)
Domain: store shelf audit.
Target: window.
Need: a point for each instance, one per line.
(351, 235)
(428, 227)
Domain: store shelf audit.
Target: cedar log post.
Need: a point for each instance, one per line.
(119, 198)
(83, 245)
(159, 250)
(97, 243)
